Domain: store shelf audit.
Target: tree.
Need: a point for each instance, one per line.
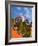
(13, 22)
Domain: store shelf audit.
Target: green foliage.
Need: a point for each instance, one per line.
(13, 22)
(22, 28)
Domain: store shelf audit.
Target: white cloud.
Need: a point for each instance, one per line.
(25, 8)
(28, 16)
(20, 13)
(18, 8)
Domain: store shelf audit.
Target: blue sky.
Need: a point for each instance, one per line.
(24, 11)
